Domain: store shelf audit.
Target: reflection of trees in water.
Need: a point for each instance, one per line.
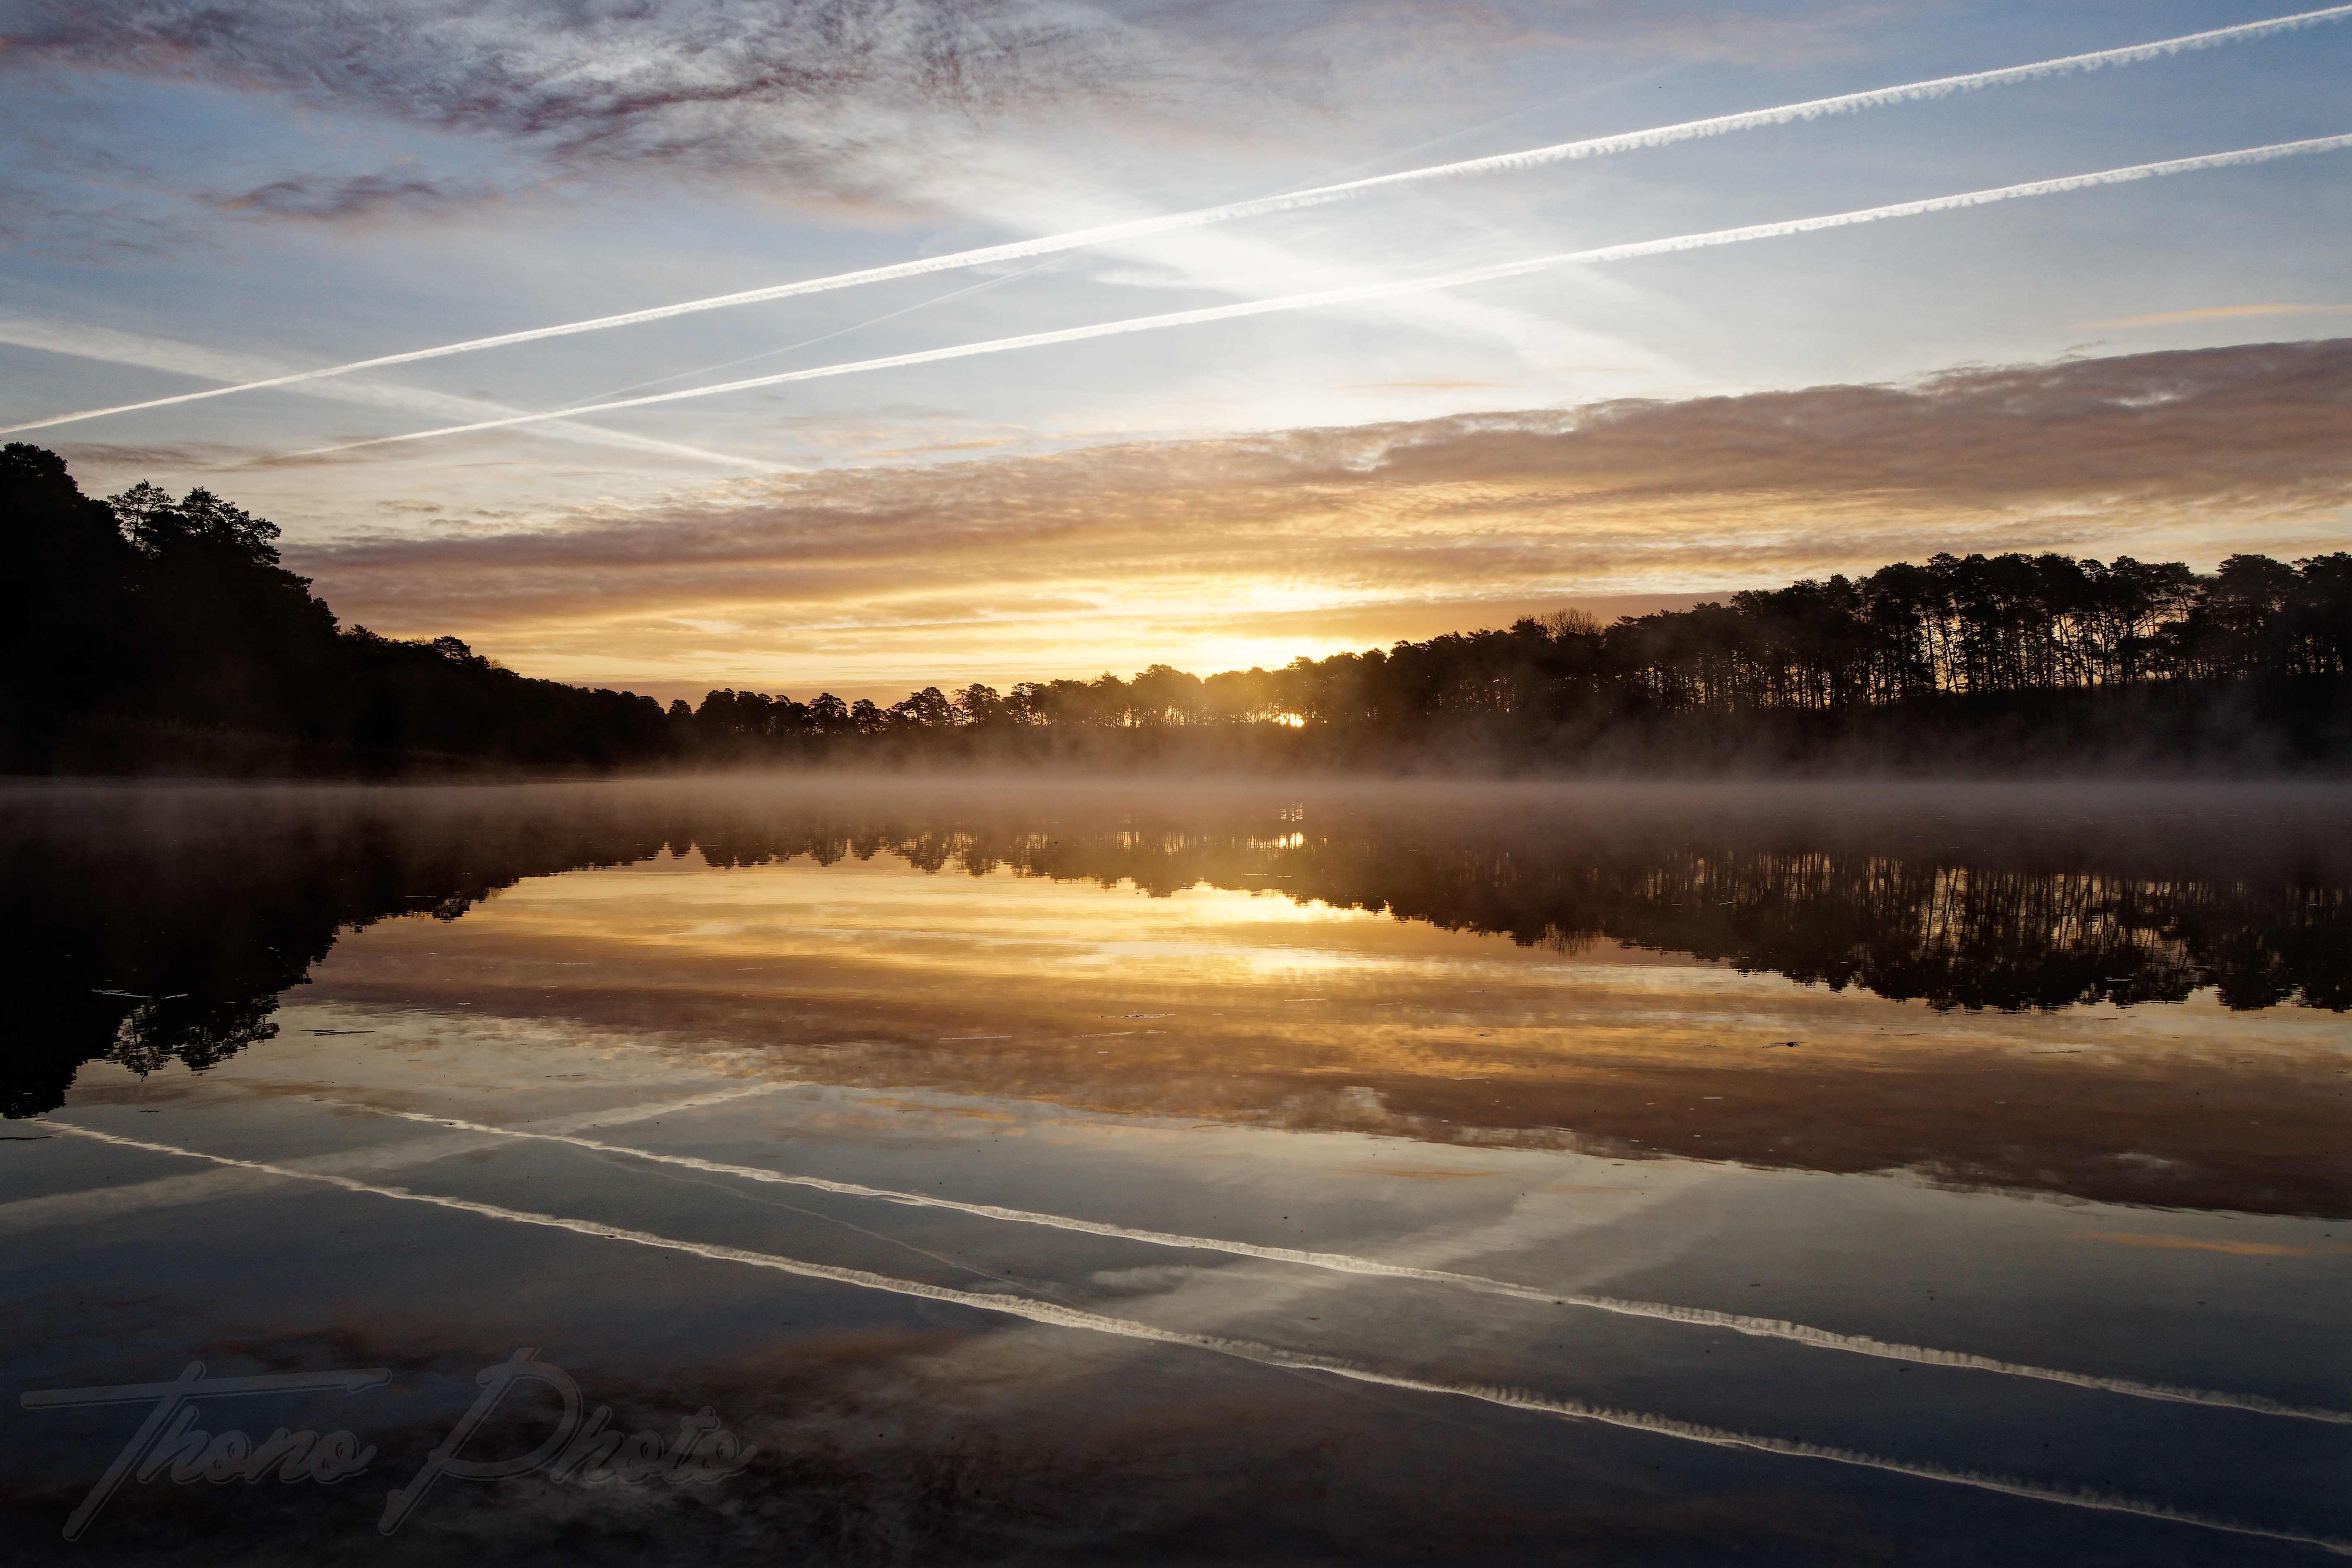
(204, 914)
(1924, 929)
(164, 1030)
(156, 940)
(1957, 935)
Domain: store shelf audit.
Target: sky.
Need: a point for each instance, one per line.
(202, 192)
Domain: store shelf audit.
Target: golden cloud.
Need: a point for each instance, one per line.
(1215, 553)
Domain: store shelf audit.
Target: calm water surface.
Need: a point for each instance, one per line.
(992, 1173)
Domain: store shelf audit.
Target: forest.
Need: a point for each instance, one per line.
(2023, 653)
(147, 632)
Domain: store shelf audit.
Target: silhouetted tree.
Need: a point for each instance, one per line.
(65, 601)
(159, 617)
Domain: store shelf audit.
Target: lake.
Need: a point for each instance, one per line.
(900, 1170)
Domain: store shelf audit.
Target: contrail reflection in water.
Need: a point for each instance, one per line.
(1347, 1263)
(1057, 1316)
(556, 1131)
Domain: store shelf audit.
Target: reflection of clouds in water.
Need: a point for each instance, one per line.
(1243, 1296)
(1148, 1279)
(959, 1264)
(2230, 1248)
(91, 1206)
(1054, 1315)
(1553, 1232)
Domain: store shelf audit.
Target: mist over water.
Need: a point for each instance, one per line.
(1250, 1172)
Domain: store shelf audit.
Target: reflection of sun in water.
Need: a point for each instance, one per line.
(1206, 905)
(892, 917)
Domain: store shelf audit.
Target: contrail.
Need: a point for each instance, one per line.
(107, 345)
(1345, 1263)
(1360, 292)
(1502, 163)
(1056, 1315)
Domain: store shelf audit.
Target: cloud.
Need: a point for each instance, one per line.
(1371, 49)
(856, 101)
(330, 197)
(2220, 313)
(811, 92)
(1428, 385)
(1242, 549)
(988, 444)
(2256, 426)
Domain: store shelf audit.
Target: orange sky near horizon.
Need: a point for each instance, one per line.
(1223, 553)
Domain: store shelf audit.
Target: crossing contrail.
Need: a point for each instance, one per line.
(82, 341)
(1056, 1315)
(1347, 1263)
(1292, 201)
(1392, 289)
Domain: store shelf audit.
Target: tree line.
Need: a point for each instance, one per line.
(143, 624)
(1985, 633)
(148, 630)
